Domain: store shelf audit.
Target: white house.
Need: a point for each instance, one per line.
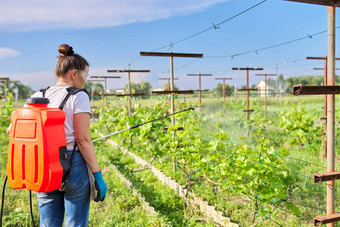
(271, 87)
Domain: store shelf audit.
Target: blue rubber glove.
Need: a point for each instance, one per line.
(100, 186)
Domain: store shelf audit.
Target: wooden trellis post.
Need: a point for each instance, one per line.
(6, 80)
(105, 83)
(171, 55)
(330, 218)
(247, 88)
(129, 82)
(224, 79)
(325, 100)
(265, 90)
(92, 92)
(199, 84)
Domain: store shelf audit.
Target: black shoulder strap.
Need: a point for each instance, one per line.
(71, 91)
(43, 90)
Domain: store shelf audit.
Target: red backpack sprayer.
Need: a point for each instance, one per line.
(36, 162)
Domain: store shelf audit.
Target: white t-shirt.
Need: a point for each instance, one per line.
(77, 103)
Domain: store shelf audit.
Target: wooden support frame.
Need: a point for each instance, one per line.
(321, 220)
(299, 89)
(224, 79)
(183, 92)
(247, 85)
(265, 90)
(325, 98)
(105, 82)
(171, 55)
(335, 3)
(199, 83)
(129, 71)
(321, 177)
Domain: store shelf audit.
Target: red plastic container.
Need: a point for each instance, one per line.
(37, 155)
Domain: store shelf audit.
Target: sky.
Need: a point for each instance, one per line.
(276, 35)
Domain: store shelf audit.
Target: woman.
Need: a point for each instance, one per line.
(74, 201)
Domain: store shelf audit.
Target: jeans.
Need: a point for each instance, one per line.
(74, 202)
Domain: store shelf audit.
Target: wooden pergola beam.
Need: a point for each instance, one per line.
(335, 3)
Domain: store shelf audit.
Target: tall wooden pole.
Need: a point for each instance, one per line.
(330, 102)
(331, 110)
(172, 88)
(223, 91)
(265, 95)
(199, 87)
(247, 92)
(129, 96)
(325, 110)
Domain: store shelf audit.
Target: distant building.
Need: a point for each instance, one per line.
(158, 89)
(271, 87)
(116, 91)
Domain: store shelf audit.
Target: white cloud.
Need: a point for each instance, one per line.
(7, 52)
(23, 15)
(36, 80)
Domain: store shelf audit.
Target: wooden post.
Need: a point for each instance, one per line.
(128, 71)
(265, 90)
(247, 87)
(325, 100)
(172, 88)
(6, 80)
(92, 94)
(199, 84)
(224, 79)
(330, 98)
(105, 83)
(331, 110)
(171, 55)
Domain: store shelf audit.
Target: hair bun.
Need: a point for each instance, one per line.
(65, 50)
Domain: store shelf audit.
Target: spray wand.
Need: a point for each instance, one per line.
(138, 125)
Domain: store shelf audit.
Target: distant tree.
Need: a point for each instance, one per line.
(281, 77)
(142, 87)
(166, 87)
(97, 89)
(24, 91)
(307, 81)
(219, 89)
